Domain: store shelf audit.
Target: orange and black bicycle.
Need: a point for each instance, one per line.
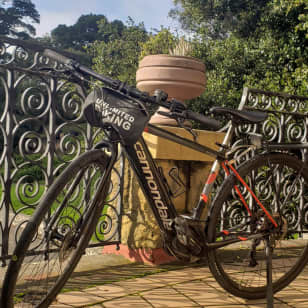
(249, 237)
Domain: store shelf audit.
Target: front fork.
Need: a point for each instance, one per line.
(51, 230)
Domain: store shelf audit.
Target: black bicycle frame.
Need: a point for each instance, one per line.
(152, 181)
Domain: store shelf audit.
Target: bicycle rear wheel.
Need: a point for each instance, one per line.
(56, 236)
(280, 182)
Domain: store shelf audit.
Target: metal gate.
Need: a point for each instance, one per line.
(41, 131)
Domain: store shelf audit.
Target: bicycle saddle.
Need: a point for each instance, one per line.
(241, 116)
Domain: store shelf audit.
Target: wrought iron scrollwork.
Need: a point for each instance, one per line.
(42, 129)
(287, 122)
(287, 115)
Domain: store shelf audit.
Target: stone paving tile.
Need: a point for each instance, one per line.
(300, 305)
(170, 278)
(178, 276)
(299, 284)
(127, 302)
(108, 291)
(260, 301)
(204, 294)
(78, 299)
(198, 272)
(214, 287)
(295, 299)
(139, 284)
(186, 287)
(289, 292)
(213, 283)
(167, 297)
(276, 304)
(225, 306)
(58, 305)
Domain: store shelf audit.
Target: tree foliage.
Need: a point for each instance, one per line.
(118, 57)
(255, 43)
(88, 29)
(218, 18)
(158, 43)
(16, 17)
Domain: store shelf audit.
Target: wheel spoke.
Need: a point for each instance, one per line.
(280, 182)
(65, 221)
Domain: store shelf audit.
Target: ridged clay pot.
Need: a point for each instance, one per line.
(183, 78)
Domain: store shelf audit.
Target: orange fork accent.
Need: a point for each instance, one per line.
(238, 191)
(205, 198)
(242, 238)
(210, 180)
(254, 196)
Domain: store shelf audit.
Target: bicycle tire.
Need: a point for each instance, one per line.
(232, 265)
(32, 279)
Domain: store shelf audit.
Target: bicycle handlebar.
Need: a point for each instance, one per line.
(57, 57)
(160, 98)
(208, 122)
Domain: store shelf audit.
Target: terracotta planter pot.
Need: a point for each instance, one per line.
(182, 78)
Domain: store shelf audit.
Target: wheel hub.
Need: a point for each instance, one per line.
(67, 246)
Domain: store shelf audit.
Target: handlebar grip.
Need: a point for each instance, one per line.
(208, 122)
(57, 57)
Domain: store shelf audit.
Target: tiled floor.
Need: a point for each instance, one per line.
(176, 287)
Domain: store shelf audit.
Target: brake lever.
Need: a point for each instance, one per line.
(172, 115)
(177, 106)
(188, 129)
(180, 118)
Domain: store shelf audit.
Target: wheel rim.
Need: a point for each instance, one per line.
(42, 274)
(233, 263)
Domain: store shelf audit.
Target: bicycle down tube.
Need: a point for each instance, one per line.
(219, 155)
(150, 178)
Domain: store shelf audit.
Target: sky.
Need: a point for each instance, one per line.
(153, 13)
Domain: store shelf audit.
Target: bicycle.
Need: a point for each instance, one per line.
(247, 236)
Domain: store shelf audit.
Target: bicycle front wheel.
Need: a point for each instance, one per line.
(56, 236)
(280, 182)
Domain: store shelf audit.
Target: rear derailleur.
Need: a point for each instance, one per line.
(263, 224)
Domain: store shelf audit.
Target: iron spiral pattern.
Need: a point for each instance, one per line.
(287, 116)
(42, 129)
(286, 123)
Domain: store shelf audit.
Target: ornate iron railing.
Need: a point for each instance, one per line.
(286, 125)
(41, 131)
(287, 120)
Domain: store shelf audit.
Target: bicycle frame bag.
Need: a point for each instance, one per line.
(105, 107)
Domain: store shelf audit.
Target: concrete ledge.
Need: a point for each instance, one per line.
(155, 256)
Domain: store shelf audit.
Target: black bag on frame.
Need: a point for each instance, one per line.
(106, 107)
